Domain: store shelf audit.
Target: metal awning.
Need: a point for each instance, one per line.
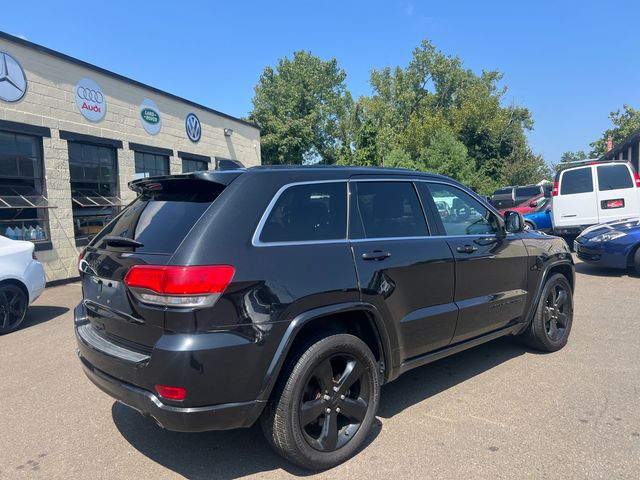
(93, 199)
(20, 197)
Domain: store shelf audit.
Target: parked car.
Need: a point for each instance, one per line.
(614, 244)
(594, 193)
(22, 281)
(527, 206)
(509, 197)
(207, 308)
(540, 218)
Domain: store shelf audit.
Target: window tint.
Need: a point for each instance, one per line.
(527, 191)
(463, 214)
(387, 209)
(160, 221)
(614, 177)
(576, 181)
(503, 191)
(308, 213)
(151, 165)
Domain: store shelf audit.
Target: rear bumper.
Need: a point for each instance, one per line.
(222, 373)
(35, 279)
(179, 419)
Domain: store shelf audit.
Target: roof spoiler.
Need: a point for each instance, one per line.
(221, 177)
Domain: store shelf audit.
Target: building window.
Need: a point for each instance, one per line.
(193, 165)
(23, 206)
(151, 165)
(94, 187)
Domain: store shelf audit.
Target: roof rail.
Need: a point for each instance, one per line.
(588, 161)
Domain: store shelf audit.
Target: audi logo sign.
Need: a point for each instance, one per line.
(90, 100)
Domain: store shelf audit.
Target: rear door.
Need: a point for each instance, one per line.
(577, 202)
(150, 230)
(490, 267)
(407, 274)
(617, 193)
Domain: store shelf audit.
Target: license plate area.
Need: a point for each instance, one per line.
(611, 204)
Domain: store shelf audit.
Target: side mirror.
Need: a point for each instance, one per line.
(533, 204)
(513, 222)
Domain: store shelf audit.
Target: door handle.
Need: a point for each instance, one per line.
(467, 249)
(376, 255)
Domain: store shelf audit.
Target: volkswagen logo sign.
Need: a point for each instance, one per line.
(193, 128)
(13, 81)
(90, 100)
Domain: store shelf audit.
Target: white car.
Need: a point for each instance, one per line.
(22, 281)
(594, 192)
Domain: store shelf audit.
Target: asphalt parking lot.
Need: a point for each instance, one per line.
(497, 411)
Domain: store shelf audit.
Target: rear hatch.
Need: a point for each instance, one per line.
(503, 198)
(148, 231)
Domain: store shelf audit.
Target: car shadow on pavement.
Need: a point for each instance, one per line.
(597, 271)
(422, 383)
(236, 453)
(220, 455)
(37, 314)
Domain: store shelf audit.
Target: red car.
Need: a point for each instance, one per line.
(527, 206)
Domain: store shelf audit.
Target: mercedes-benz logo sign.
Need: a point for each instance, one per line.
(192, 126)
(13, 81)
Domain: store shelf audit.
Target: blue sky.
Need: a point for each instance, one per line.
(569, 62)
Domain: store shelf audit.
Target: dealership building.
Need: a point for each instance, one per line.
(72, 135)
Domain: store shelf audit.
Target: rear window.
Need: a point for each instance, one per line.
(503, 191)
(527, 191)
(161, 220)
(614, 177)
(312, 212)
(575, 181)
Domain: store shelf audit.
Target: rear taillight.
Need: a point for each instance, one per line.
(556, 186)
(171, 393)
(636, 177)
(179, 286)
(80, 257)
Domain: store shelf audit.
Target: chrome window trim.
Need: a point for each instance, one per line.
(255, 240)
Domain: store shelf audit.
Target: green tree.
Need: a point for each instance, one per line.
(302, 107)
(446, 155)
(399, 158)
(625, 122)
(574, 156)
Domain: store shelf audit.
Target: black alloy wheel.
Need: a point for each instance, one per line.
(549, 330)
(334, 403)
(325, 403)
(554, 314)
(13, 307)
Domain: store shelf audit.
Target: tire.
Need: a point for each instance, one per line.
(530, 225)
(314, 420)
(551, 324)
(636, 261)
(13, 307)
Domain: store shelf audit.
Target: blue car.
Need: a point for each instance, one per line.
(540, 218)
(613, 244)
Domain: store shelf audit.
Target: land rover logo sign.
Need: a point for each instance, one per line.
(150, 116)
(192, 126)
(13, 81)
(90, 100)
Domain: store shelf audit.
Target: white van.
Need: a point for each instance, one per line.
(596, 192)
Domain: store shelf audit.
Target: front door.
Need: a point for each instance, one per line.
(403, 271)
(490, 267)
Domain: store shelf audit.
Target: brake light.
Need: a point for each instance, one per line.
(179, 285)
(556, 187)
(80, 257)
(171, 393)
(636, 177)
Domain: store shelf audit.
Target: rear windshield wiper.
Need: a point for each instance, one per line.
(116, 241)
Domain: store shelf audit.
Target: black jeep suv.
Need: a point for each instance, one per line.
(289, 295)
